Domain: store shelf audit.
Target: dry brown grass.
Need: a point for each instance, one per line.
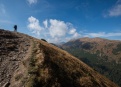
(48, 66)
(57, 68)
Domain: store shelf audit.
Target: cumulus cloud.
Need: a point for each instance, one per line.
(32, 1)
(76, 35)
(56, 31)
(115, 10)
(57, 28)
(72, 31)
(34, 25)
(52, 30)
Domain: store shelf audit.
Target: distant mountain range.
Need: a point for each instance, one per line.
(103, 55)
(29, 62)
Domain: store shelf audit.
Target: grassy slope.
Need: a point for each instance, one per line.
(56, 68)
(102, 55)
(48, 66)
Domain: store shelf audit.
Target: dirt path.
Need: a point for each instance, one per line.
(20, 75)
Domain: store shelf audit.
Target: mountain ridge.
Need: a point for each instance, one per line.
(92, 39)
(34, 63)
(102, 54)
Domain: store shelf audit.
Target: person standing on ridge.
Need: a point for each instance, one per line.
(15, 27)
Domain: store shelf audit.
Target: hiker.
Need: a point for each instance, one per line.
(15, 27)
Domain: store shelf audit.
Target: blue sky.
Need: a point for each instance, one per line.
(62, 20)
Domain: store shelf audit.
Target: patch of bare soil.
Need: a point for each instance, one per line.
(13, 49)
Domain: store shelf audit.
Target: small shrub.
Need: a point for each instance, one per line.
(43, 40)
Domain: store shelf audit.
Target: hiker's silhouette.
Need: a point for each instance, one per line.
(15, 27)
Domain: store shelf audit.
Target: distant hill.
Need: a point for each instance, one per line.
(29, 62)
(102, 54)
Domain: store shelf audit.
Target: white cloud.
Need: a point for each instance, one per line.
(99, 34)
(2, 9)
(72, 31)
(102, 34)
(56, 31)
(118, 1)
(34, 25)
(115, 10)
(52, 30)
(45, 23)
(57, 28)
(32, 1)
(76, 35)
(113, 34)
(55, 40)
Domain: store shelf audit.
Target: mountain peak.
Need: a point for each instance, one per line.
(34, 63)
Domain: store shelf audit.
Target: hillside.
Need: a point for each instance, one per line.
(29, 62)
(101, 54)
